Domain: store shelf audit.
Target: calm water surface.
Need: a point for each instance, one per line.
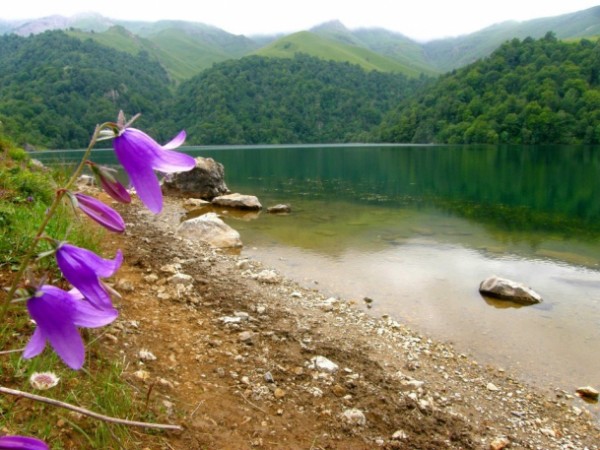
(417, 228)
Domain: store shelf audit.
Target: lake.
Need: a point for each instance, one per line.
(417, 228)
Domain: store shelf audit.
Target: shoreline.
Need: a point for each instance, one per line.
(239, 365)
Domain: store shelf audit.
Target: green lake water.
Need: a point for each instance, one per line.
(417, 228)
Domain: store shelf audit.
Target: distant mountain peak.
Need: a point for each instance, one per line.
(331, 26)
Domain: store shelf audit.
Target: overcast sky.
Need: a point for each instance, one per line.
(418, 19)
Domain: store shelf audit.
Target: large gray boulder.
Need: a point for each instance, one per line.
(211, 229)
(505, 289)
(239, 201)
(205, 181)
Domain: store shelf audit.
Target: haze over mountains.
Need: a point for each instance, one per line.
(184, 49)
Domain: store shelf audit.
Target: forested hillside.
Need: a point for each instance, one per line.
(54, 89)
(527, 92)
(300, 100)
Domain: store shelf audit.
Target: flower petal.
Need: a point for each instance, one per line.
(54, 313)
(101, 213)
(176, 141)
(87, 315)
(22, 443)
(36, 344)
(82, 268)
(101, 266)
(110, 185)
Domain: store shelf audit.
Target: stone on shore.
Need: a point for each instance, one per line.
(211, 229)
(206, 180)
(505, 289)
(237, 201)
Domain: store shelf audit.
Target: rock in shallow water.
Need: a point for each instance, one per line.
(505, 289)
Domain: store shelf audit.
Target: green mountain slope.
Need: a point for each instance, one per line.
(448, 54)
(304, 99)
(314, 45)
(54, 89)
(183, 48)
(527, 92)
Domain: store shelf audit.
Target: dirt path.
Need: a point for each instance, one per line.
(227, 348)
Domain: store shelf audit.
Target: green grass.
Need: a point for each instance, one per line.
(25, 193)
(320, 47)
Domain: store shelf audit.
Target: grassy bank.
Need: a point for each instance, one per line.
(26, 191)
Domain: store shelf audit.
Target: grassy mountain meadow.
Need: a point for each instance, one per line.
(327, 84)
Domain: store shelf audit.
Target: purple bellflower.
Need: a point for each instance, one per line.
(140, 155)
(109, 183)
(83, 269)
(58, 314)
(101, 213)
(21, 443)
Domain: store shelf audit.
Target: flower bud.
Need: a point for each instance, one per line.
(109, 183)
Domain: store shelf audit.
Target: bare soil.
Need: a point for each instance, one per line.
(233, 344)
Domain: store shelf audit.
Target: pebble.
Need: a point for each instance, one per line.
(141, 375)
(323, 364)
(279, 393)
(182, 278)
(588, 392)
(247, 337)
(268, 276)
(269, 378)
(499, 443)
(171, 268)
(492, 387)
(146, 355)
(152, 278)
(399, 435)
(354, 417)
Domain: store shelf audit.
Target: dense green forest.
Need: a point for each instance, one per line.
(54, 88)
(526, 92)
(300, 100)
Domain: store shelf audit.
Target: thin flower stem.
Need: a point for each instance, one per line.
(40, 232)
(87, 412)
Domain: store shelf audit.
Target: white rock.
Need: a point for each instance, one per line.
(182, 278)
(492, 387)
(399, 435)
(268, 276)
(354, 417)
(146, 355)
(171, 268)
(505, 289)
(211, 229)
(323, 364)
(237, 201)
(195, 203)
(230, 319)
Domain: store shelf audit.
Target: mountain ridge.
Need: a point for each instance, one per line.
(186, 48)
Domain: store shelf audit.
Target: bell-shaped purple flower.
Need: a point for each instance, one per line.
(57, 314)
(109, 183)
(101, 213)
(140, 155)
(83, 269)
(22, 443)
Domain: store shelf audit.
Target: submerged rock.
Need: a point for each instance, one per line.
(237, 201)
(279, 209)
(505, 289)
(211, 229)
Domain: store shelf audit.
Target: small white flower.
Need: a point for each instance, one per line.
(43, 380)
